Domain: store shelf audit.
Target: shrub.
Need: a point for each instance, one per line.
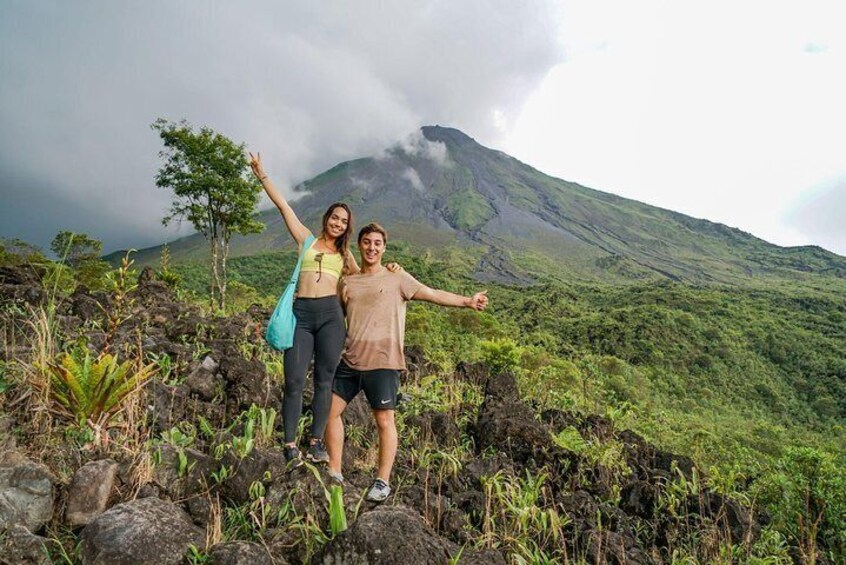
(240, 296)
(93, 390)
(806, 494)
(501, 355)
(92, 273)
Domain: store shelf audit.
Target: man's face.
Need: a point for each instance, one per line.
(372, 247)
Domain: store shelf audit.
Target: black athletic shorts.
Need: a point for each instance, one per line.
(379, 385)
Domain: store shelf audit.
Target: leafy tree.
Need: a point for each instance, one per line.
(93, 274)
(17, 251)
(81, 252)
(214, 190)
(74, 249)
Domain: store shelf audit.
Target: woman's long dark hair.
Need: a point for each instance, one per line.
(342, 244)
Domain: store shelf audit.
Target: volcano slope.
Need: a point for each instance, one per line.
(440, 189)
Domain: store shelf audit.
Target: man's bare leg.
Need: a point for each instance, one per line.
(334, 434)
(387, 442)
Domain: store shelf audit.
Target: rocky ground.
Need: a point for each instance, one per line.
(137, 493)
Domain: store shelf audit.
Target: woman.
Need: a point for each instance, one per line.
(320, 328)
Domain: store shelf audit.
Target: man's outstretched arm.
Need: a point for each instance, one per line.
(478, 301)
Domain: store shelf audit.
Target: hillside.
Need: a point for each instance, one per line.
(528, 450)
(441, 188)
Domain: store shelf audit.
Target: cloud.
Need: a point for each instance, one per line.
(411, 176)
(815, 48)
(362, 184)
(307, 84)
(820, 214)
(416, 145)
(725, 110)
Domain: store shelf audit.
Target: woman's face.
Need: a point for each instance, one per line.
(338, 223)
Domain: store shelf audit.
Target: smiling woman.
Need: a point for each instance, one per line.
(320, 329)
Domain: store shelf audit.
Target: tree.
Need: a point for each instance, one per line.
(74, 249)
(213, 188)
(17, 251)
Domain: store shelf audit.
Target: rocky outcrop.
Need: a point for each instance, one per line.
(607, 516)
(385, 536)
(506, 424)
(26, 495)
(148, 531)
(239, 553)
(22, 547)
(89, 491)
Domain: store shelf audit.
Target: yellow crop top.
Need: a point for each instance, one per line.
(320, 262)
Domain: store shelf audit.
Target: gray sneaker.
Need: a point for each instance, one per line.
(293, 459)
(336, 478)
(378, 492)
(317, 452)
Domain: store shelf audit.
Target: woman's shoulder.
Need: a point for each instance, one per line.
(308, 242)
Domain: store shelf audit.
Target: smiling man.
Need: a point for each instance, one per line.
(375, 302)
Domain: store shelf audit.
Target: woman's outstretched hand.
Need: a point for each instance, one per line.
(256, 166)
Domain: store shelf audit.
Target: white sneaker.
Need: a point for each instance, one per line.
(378, 492)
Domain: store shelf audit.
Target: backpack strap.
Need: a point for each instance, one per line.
(306, 244)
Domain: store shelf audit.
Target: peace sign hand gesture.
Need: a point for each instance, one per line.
(256, 166)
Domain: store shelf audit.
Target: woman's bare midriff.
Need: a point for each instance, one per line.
(309, 287)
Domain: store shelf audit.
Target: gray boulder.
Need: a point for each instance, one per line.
(26, 495)
(147, 531)
(89, 491)
(388, 535)
(203, 381)
(18, 546)
(239, 553)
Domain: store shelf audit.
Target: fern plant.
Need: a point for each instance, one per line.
(93, 390)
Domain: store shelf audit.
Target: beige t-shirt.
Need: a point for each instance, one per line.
(375, 305)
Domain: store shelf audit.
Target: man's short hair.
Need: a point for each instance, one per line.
(372, 228)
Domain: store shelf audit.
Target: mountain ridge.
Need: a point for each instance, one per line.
(440, 187)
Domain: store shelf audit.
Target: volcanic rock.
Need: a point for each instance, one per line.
(141, 532)
(89, 491)
(26, 495)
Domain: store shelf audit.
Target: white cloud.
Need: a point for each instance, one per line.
(361, 183)
(410, 174)
(718, 110)
(416, 144)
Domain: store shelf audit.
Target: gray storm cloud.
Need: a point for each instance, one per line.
(306, 83)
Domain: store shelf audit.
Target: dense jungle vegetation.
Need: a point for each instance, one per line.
(749, 382)
(721, 372)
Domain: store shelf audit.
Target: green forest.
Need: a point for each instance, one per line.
(748, 382)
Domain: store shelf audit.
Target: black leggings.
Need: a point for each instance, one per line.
(320, 332)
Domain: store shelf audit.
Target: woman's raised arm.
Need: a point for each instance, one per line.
(298, 231)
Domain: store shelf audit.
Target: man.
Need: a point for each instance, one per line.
(375, 302)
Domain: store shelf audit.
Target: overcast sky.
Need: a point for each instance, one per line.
(731, 111)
